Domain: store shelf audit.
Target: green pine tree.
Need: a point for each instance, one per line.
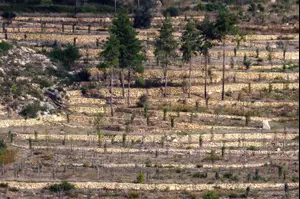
(110, 56)
(131, 57)
(189, 47)
(165, 47)
(225, 25)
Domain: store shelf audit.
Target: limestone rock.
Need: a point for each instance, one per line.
(266, 125)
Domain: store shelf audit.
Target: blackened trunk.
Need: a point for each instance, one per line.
(122, 82)
(129, 80)
(223, 72)
(111, 92)
(205, 75)
(190, 76)
(166, 81)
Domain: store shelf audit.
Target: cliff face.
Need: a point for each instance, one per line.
(25, 76)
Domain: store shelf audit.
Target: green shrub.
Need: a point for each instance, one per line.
(211, 7)
(199, 175)
(42, 81)
(64, 186)
(140, 82)
(252, 148)
(141, 178)
(201, 6)
(133, 195)
(143, 100)
(210, 195)
(2, 147)
(66, 56)
(4, 46)
(172, 11)
(8, 15)
(31, 110)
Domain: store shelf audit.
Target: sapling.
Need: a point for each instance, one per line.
(124, 139)
(256, 173)
(223, 151)
(200, 140)
(280, 171)
(89, 28)
(247, 118)
(172, 122)
(35, 135)
(247, 192)
(257, 52)
(232, 63)
(148, 120)
(286, 190)
(197, 107)
(165, 110)
(30, 143)
(145, 110)
(99, 134)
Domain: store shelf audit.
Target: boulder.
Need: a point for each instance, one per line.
(266, 125)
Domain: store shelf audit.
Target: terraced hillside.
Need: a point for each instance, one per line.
(245, 146)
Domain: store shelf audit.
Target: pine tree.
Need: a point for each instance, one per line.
(165, 47)
(225, 25)
(130, 57)
(207, 34)
(110, 56)
(189, 47)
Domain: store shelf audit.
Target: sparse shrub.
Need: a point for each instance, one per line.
(4, 46)
(66, 56)
(172, 11)
(133, 195)
(140, 82)
(165, 111)
(247, 62)
(140, 178)
(252, 148)
(199, 175)
(210, 195)
(8, 15)
(64, 186)
(31, 110)
(143, 99)
(172, 122)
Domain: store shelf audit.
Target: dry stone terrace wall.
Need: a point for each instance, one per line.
(182, 166)
(153, 187)
(160, 150)
(91, 19)
(217, 75)
(189, 101)
(30, 122)
(194, 138)
(159, 114)
(135, 92)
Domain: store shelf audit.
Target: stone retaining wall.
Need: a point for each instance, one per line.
(153, 187)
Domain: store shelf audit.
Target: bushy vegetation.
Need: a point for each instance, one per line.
(6, 156)
(31, 110)
(4, 46)
(2, 147)
(8, 15)
(210, 7)
(66, 56)
(63, 186)
(210, 195)
(172, 11)
(54, 8)
(142, 15)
